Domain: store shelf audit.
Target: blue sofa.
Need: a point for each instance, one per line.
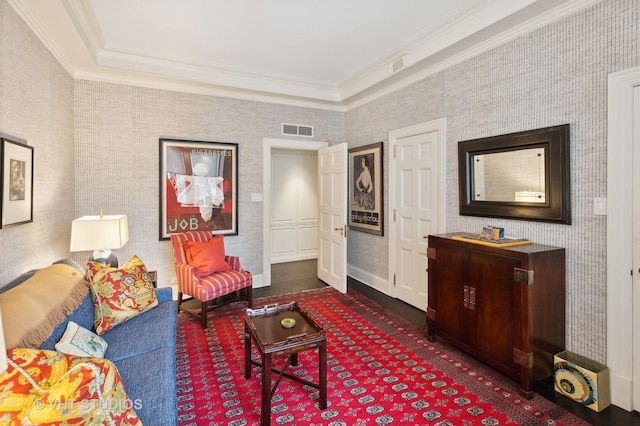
(144, 351)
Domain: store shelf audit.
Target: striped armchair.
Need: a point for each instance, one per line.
(207, 288)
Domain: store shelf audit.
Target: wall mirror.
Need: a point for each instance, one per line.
(522, 175)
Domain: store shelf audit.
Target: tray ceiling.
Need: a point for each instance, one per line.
(329, 53)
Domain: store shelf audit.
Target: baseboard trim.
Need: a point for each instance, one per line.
(258, 282)
(293, 258)
(621, 391)
(369, 279)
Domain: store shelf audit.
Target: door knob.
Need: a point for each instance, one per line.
(342, 230)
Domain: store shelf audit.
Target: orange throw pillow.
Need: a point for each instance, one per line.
(207, 257)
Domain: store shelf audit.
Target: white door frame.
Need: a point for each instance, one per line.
(619, 236)
(439, 125)
(268, 144)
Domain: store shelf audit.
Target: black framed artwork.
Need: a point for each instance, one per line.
(365, 189)
(198, 187)
(16, 204)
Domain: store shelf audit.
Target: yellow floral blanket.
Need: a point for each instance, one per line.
(51, 388)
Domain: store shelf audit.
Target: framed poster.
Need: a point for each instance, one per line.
(198, 187)
(365, 189)
(16, 205)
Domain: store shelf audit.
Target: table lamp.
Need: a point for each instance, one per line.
(3, 348)
(100, 234)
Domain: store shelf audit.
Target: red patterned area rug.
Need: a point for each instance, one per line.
(381, 370)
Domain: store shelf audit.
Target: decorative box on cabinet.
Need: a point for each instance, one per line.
(503, 305)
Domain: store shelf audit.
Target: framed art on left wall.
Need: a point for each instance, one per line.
(16, 163)
(198, 187)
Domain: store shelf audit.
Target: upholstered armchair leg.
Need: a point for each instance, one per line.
(250, 296)
(179, 299)
(204, 315)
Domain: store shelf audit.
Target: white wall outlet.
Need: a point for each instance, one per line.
(600, 206)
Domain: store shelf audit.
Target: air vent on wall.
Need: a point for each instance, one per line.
(297, 130)
(397, 65)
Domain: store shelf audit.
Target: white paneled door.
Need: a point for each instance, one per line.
(332, 232)
(417, 206)
(623, 234)
(635, 190)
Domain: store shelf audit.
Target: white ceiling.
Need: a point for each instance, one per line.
(328, 53)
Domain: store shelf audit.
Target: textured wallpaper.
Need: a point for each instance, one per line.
(36, 107)
(555, 75)
(117, 145)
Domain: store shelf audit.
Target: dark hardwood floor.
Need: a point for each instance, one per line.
(292, 277)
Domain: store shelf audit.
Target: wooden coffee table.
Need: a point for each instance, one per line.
(264, 327)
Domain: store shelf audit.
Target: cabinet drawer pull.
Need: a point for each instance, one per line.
(472, 298)
(465, 296)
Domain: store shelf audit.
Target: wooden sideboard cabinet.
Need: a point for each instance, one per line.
(503, 305)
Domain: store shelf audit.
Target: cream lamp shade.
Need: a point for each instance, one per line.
(3, 348)
(101, 234)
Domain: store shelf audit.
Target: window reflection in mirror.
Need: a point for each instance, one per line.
(510, 176)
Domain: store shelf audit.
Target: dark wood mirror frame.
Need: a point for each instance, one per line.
(557, 205)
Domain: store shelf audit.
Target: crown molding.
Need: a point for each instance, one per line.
(87, 25)
(540, 21)
(454, 28)
(174, 85)
(89, 29)
(219, 77)
(444, 43)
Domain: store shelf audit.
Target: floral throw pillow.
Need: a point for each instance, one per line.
(119, 294)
